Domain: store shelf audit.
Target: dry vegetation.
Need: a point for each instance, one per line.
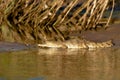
(39, 20)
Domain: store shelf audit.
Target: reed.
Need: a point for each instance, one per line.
(40, 20)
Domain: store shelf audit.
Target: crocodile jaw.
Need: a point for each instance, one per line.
(52, 45)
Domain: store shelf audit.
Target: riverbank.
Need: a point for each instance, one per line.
(111, 33)
(13, 46)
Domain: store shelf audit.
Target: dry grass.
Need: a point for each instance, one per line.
(39, 20)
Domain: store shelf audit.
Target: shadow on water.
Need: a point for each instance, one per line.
(61, 64)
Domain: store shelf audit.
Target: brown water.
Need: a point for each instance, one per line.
(24, 62)
(61, 64)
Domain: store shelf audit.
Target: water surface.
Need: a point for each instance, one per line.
(60, 64)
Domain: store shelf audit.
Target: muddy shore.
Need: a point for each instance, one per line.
(111, 33)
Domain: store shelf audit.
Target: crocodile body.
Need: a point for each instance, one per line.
(76, 43)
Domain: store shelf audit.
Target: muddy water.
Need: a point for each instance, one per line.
(23, 62)
(26, 62)
(61, 64)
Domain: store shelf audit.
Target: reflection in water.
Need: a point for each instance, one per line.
(61, 64)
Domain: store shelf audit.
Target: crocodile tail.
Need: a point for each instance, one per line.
(99, 44)
(107, 43)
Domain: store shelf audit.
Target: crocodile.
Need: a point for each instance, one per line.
(76, 43)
